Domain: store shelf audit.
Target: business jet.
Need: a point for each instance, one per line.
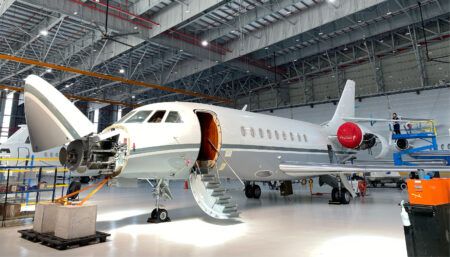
(203, 143)
(16, 151)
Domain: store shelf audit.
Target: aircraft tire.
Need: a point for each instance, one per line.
(256, 191)
(73, 187)
(163, 215)
(249, 192)
(335, 195)
(345, 196)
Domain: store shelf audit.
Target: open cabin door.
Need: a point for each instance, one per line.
(211, 138)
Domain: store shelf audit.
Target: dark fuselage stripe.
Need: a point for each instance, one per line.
(233, 146)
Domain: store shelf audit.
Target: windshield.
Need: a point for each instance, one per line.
(139, 117)
(128, 115)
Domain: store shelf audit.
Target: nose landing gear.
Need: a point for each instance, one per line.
(161, 191)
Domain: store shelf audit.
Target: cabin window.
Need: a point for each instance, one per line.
(27, 141)
(128, 115)
(173, 117)
(292, 136)
(277, 136)
(269, 134)
(448, 146)
(442, 147)
(261, 133)
(299, 137)
(157, 117)
(305, 138)
(139, 117)
(243, 131)
(284, 135)
(252, 132)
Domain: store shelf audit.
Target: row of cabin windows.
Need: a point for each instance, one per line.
(157, 117)
(268, 133)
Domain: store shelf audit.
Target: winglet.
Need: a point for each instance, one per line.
(52, 119)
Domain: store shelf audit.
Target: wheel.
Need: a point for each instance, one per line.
(73, 187)
(154, 214)
(403, 186)
(256, 191)
(345, 196)
(335, 194)
(249, 193)
(163, 215)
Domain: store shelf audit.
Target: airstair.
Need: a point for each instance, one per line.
(211, 196)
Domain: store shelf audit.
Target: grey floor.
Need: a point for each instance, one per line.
(297, 225)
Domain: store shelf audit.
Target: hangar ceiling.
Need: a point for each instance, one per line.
(225, 48)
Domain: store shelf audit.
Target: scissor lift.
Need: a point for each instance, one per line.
(428, 152)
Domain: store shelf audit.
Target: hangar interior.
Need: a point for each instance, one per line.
(284, 58)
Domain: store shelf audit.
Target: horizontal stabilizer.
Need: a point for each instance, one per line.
(52, 119)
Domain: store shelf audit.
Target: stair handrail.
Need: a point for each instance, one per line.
(223, 159)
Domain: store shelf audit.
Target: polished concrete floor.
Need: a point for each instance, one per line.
(296, 225)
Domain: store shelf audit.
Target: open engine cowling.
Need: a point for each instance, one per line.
(351, 135)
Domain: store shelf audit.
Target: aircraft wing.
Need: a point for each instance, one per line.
(402, 120)
(327, 168)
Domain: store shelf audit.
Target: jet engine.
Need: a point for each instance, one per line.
(105, 155)
(353, 136)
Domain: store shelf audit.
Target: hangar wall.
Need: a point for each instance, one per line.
(433, 104)
(400, 72)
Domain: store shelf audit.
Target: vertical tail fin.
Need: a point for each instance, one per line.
(346, 105)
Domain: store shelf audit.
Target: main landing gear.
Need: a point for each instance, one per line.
(252, 190)
(161, 191)
(341, 196)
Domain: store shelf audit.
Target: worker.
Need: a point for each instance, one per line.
(396, 123)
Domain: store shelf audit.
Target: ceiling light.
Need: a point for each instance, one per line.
(345, 49)
(381, 40)
(122, 71)
(43, 32)
(389, 13)
(187, 11)
(67, 86)
(181, 50)
(266, 48)
(320, 33)
(75, 13)
(133, 96)
(135, 27)
(407, 33)
(204, 43)
(359, 21)
(48, 70)
(232, 31)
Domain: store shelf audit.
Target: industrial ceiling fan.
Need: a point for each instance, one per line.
(110, 36)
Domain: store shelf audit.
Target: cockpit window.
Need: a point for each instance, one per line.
(139, 117)
(173, 117)
(128, 115)
(157, 117)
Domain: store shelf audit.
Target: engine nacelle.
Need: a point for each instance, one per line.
(351, 135)
(105, 155)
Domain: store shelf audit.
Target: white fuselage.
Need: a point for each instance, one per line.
(252, 144)
(16, 151)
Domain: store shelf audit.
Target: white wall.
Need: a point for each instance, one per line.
(430, 104)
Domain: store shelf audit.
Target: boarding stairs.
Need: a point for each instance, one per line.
(210, 195)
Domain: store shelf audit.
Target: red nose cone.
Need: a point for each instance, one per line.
(349, 135)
